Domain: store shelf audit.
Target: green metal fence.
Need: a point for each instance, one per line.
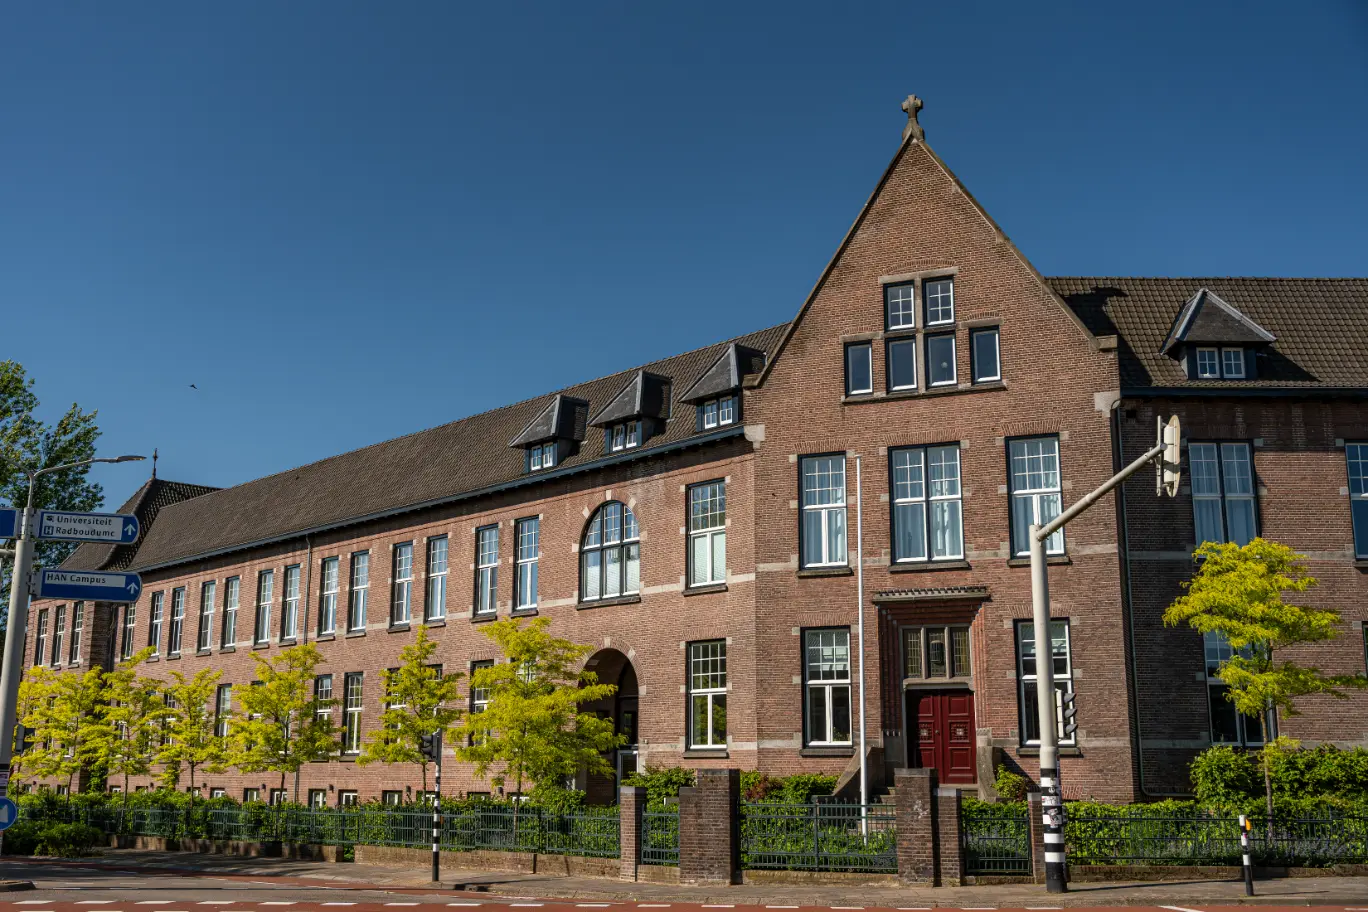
(819, 837)
(660, 835)
(999, 843)
(1137, 839)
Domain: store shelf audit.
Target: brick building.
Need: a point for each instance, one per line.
(698, 521)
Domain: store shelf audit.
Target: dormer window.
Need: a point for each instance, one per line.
(715, 413)
(541, 456)
(624, 436)
(1220, 363)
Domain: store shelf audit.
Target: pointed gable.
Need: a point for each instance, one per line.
(646, 395)
(562, 419)
(726, 374)
(1208, 318)
(145, 504)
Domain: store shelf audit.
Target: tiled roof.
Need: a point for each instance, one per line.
(1320, 326)
(459, 458)
(933, 594)
(146, 503)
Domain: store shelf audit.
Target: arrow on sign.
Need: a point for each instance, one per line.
(9, 813)
(114, 528)
(96, 587)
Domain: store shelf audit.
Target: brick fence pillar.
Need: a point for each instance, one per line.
(1037, 831)
(949, 854)
(914, 804)
(630, 808)
(710, 828)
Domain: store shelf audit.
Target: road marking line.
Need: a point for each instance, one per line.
(327, 904)
(154, 902)
(282, 903)
(1180, 909)
(653, 905)
(511, 904)
(1041, 908)
(781, 907)
(94, 902)
(591, 905)
(847, 907)
(719, 906)
(216, 902)
(34, 902)
(458, 904)
(388, 904)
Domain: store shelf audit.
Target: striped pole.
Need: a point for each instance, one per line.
(1052, 813)
(1244, 851)
(437, 814)
(1051, 801)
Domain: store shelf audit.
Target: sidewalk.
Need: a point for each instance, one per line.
(1287, 891)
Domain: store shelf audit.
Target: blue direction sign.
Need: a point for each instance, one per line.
(9, 523)
(113, 528)
(95, 587)
(9, 813)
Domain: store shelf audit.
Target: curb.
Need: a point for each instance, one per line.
(15, 886)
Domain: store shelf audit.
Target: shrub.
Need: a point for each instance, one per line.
(68, 840)
(1222, 776)
(661, 782)
(22, 838)
(1011, 786)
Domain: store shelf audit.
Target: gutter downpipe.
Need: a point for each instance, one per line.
(859, 589)
(1119, 454)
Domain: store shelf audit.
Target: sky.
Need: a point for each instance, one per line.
(344, 222)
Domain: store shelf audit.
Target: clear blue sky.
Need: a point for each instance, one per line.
(349, 221)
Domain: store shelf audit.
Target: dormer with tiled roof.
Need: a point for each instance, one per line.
(637, 413)
(555, 434)
(717, 393)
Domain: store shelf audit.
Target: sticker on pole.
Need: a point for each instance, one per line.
(95, 587)
(9, 813)
(114, 528)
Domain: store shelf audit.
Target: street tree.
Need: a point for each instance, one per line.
(419, 700)
(64, 723)
(31, 711)
(533, 728)
(281, 724)
(125, 736)
(1239, 593)
(189, 741)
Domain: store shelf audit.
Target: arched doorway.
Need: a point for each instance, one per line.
(612, 667)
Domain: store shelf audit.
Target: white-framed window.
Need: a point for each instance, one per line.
(1026, 678)
(708, 694)
(859, 368)
(322, 696)
(715, 413)
(434, 607)
(940, 360)
(900, 306)
(360, 591)
(1220, 363)
(391, 797)
(610, 554)
(208, 595)
(1233, 363)
(130, 625)
(1356, 456)
(984, 357)
(265, 595)
(401, 600)
(351, 732)
(223, 707)
(901, 358)
(217, 793)
(154, 622)
(318, 798)
(232, 592)
(329, 582)
(479, 696)
(250, 795)
(173, 645)
(624, 436)
(527, 535)
(928, 519)
(77, 628)
(1228, 725)
(541, 456)
(826, 676)
(1037, 492)
(289, 605)
(1223, 504)
(1208, 364)
(940, 301)
(348, 798)
(936, 652)
(708, 533)
(277, 797)
(824, 511)
(58, 632)
(486, 569)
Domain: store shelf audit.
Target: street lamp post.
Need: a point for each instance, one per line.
(17, 620)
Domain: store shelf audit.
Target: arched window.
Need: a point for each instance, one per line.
(610, 555)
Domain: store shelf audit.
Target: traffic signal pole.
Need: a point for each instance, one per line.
(1051, 795)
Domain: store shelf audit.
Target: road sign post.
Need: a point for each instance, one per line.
(110, 528)
(88, 586)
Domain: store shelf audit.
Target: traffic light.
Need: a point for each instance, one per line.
(430, 746)
(1069, 714)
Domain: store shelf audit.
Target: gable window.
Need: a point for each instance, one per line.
(610, 554)
(527, 534)
(708, 533)
(58, 630)
(130, 623)
(289, 605)
(984, 356)
(1220, 363)
(351, 729)
(1228, 725)
(859, 365)
(708, 694)
(935, 652)
(265, 593)
(826, 676)
(232, 589)
(900, 306)
(940, 360)
(1356, 454)
(173, 645)
(624, 436)
(1233, 363)
(717, 412)
(1037, 493)
(402, 595)
(434, 606)
(902, 363)
(360, 591)
(77, 627)
(1026, 678)
(541, 456)
(205, 638)
(1222, 492)
(823, 529)
(487, 569)
(154, 622)
(940, 301)
(927, 513)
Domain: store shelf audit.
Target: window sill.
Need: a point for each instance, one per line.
(825, 571)
(351, 634)
(325, 637)
(398, 628)
(484, 617)
(149, 659)
(1064, 751)
(706, 590)
(827, 752)
(256, 646)
(1051, 560)
(435, 622)
(706, 753)
(290, 642)
(609, 602)
(946, 390)
(928, 566)
(524, 612)
(173, 658)
(223, 649)
(204, 652)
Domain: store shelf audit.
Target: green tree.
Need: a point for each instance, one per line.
(533, 729)
(31, 711)
(125, 736)
(189, 741)
(419, 700)
(1239, 593)
(69, 723)
(281, 724)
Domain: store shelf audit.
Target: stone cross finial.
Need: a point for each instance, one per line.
(912, 104)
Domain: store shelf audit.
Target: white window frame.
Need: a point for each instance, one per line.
(914, 485)
(438, 562)
(58, 634)
(401, 595)
(936, 302)
(708, 531)
(77, 629)
(602, 542)
(289, 604)
(829, 507)
(348, 798)
(718, 412)
(1356, 467)
(625, 436)
(1026, 682)
(900, 306)
(1036, 496)
(904, 344)
(1216, 649)
(1208, 363)
(130, 626)
(1233, 363)
(358, 591)
(223, 707)
(707, 674)
(175, 638)
(321, 694)
(353, 685)
(541, 456)
(827, 686)
(479, 696)
(1219, 455)
(954, 359)
(486, 570)
(864, 385)
(232, 599)
(527, 552)
(974, 360)
(155, 612)
(204, 640)
(261, 630)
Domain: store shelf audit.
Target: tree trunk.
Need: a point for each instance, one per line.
(1268, 794)
(424, 777)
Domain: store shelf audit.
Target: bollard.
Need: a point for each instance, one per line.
(1244, 851)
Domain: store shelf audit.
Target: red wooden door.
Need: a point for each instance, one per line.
(942, 735)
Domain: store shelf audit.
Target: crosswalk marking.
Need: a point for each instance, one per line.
(154, 902)
(339, 904)
(466, 904)
(388, 904)
(282, 903)
(1179, 909)
(592, 905)
(653, 905)
(94, 902)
